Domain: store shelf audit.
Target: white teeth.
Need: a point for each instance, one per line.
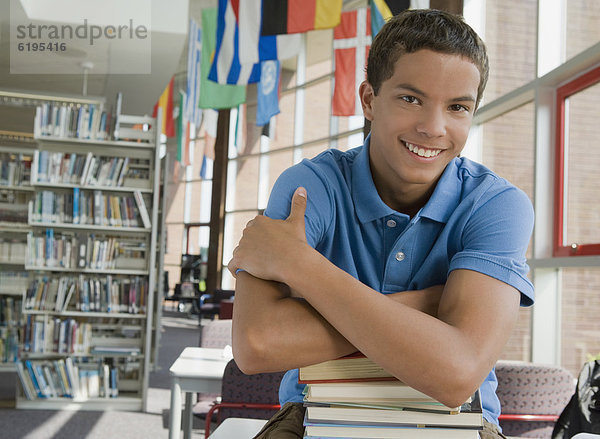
(422, 152)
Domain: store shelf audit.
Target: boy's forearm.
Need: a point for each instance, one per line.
(273, 331)
(474, 319)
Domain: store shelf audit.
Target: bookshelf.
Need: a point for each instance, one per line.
(16, 156)
(90, 231)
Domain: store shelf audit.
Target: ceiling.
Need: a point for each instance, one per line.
(139, 72)
(165, 56)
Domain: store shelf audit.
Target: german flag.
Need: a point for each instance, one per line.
(296, 16)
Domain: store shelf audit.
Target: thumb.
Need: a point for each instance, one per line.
(298, 206)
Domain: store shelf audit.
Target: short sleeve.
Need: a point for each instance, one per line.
(319, 209)
(495, 240)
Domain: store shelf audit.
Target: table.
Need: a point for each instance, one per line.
(195, 370)
(238, 428)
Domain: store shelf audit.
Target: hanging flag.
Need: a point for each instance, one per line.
(213, 95)
(297, 16)
(226, 67)
(240, 48)
(351, 44)
(209, 125)
(192, 112)
(165, 101)
(183, 133)
(383, 10)
(255, 47)
(268, 92)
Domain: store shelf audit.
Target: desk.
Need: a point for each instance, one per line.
(195, 370)
(238, 428)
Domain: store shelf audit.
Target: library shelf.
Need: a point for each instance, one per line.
(88, 270)
(90, 188)
(90, 227)
(121, 403)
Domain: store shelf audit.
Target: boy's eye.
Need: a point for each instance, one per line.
(409, 99)
(458, 107)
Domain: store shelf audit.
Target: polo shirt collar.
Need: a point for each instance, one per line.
(446, 195)
(369, 206)
(367, 203)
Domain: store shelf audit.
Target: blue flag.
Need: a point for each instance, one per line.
(268, 92)
(192, 112)
(383, 10)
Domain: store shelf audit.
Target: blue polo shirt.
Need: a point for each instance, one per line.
(474, 220)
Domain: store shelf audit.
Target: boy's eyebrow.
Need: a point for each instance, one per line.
(419, 92)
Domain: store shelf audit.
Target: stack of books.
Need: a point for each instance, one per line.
(353, 397)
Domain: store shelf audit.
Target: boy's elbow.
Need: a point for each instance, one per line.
(460, 387)
(249, 352)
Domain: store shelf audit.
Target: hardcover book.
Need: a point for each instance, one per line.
(353, 367)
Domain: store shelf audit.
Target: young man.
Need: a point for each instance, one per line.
(398, 248)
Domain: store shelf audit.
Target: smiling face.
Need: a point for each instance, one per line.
(420, 121)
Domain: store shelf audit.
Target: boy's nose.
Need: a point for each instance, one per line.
(432, 123)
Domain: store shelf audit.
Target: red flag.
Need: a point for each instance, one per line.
(296, 16)
(165, 101)
(351, 43)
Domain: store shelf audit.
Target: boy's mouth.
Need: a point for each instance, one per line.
(422, 151)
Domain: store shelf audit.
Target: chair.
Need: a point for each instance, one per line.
(246, 396)
(214, 334)
(210, 304)
(532, 397)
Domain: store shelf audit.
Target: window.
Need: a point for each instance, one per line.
(187, 213)
(579, 320)
(577, 164)
(583, 31)
(510, 41)
(258, 155)
(535, 128)
(508, 149)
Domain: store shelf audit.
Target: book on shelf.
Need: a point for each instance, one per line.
(66, 378)
(139, 199)
(117, 114)
(64, 250)
(70, 120)
(15, 168)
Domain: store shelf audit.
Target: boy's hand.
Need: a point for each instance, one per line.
(268, 247)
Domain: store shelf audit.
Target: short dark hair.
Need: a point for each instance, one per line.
(417, 29)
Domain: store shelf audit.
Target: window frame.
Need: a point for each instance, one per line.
(563, 92)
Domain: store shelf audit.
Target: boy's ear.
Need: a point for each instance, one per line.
(367, 95)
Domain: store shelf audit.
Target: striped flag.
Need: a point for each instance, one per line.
(192, 112)
(165, 101)
(214, 95)
(240, 48)
(297, 16)
(255, 47)
(351, 43)
(383, 10)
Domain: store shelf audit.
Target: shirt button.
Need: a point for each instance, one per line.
(391, 223)
(400, 256)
